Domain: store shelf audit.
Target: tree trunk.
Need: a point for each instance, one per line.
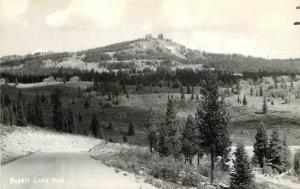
(212, 161)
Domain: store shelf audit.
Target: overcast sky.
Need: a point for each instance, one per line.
(250, 27)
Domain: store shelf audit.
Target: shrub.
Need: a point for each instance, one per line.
(167, 170)
(297, 163)
(267, 170)
(190, 178)
(107, 105)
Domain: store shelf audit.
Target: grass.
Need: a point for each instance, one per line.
(140, 161)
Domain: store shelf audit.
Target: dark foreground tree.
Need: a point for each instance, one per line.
(131, 130)
(297, 163)
(94, 126)
(58, 116)
(264, 106)
(150, 124)
(20, 114)
(241, 176)
(261, 146)
(275, 148)
(245, 100)
(70, 121)
(189, 139)
(212, 122)
(168, 137)
(38, 113)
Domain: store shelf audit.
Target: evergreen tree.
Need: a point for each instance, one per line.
(260, 91)
(190, 139)
(251, 91)
(182, 95)
(275, 148)
(70, 121)
(38, 113)
(261, 145)
(110, 126)
(86, 104)
(100, 133)
(152, 130)
(285, 155)
(188, 90)
(94, 126)
(192, 93)
(241, 177)
(197, 97)
(168, 136)
(20, 114)
(79, 117)
(58, 116)
(264, 106)
(238, 99)
(245, 100)
(212, 122)
(78, 92)
(124, 137)
(297, 163)
(131, 130)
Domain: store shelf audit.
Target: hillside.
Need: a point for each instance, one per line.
(148, 53)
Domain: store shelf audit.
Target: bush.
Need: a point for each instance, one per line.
(167, 170)
(267, 170)
(297, 163)
(107, 105)
(190, 178)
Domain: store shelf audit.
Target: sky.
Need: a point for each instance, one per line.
(261, 28)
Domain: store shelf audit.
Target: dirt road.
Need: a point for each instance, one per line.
(68, 170)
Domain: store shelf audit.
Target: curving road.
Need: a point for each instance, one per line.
(65, 170)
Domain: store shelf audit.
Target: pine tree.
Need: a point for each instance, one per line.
(86, 104)
(189, 139)
(38, 113)
(150, 124)
(188, 90)
(285, 155)
(264, 106)
(182, 93)
(20, 114)
(260, 91)
(251, 91)
(297, 163)
(131, 130)
(192, 93)
(70, 121)
(78, 92)
(238, 99)
(100, 133)
(261, 145)
(241, 177)
(212, 122)
(124, 137)
(245, 100)
(58, 116)
(275, 148)
(168, 131)
(197, 97)
(94, 126)
(110, 126)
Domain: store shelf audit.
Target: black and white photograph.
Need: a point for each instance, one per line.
(150, 94)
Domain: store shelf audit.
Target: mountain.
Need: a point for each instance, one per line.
(150, 53)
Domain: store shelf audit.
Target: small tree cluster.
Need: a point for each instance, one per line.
(275, 151)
